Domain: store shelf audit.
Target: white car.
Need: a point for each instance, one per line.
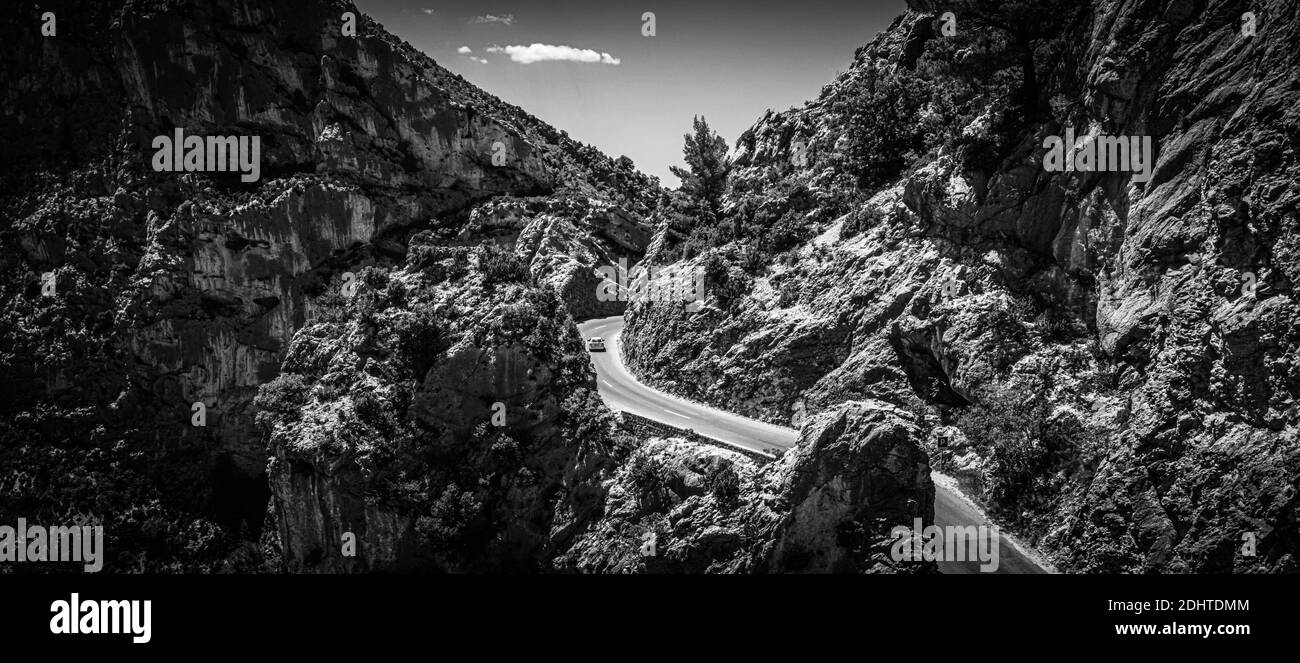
(595, 344)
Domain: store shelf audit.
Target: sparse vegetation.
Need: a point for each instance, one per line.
(1028, 440)
(882, 122)
(650, 481)
(723, 482)
(499, 266)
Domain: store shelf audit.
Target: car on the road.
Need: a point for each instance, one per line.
(595, 344)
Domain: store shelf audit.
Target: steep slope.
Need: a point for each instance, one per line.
(1109, 363)
(167, 289)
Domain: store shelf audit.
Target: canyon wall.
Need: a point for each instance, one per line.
(176, 288)
(1109, 364)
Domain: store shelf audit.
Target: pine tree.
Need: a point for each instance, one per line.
(706, 154)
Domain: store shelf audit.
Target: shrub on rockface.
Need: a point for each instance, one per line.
(725, 284)
(419, 337)
(687, 234)
(781, 218)
(500, 266)
(282, 396)
(451, 519)
(438, 263)
(649, 479)
(723, 483)
(859, 221)
(717, 272)
(973, 117)
(587, 421)
(752, 260)
(1028, 442)
(882, 106)
(1027, 35)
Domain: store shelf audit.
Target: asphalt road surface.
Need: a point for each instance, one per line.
(623, 392)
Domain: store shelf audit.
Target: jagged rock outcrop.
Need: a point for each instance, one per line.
(827, 506)
(564, 240)
(1109, 363)
(441, 420)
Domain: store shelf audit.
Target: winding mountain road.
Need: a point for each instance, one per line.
(623, 392)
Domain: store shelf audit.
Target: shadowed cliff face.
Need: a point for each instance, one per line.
(176, 288)
(1110, 364)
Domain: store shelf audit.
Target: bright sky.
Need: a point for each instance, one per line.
(727, 61)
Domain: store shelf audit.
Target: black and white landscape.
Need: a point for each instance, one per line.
(1013, 293)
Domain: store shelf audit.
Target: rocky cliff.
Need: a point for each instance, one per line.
(364, 358)
(442, 419)
(825, 507)
(132, 295)
(1107, 360)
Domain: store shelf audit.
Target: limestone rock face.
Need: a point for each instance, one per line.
(565, 240)
(177, 288)
(440, 430)
(857, 472)
(1108, 363)
(827, 506)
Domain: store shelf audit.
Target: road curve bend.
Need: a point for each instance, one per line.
(623, 392)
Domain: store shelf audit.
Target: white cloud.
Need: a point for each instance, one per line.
(464, 50)
(427, 11)
(548, 53)
(504, 19)
(479, 60)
